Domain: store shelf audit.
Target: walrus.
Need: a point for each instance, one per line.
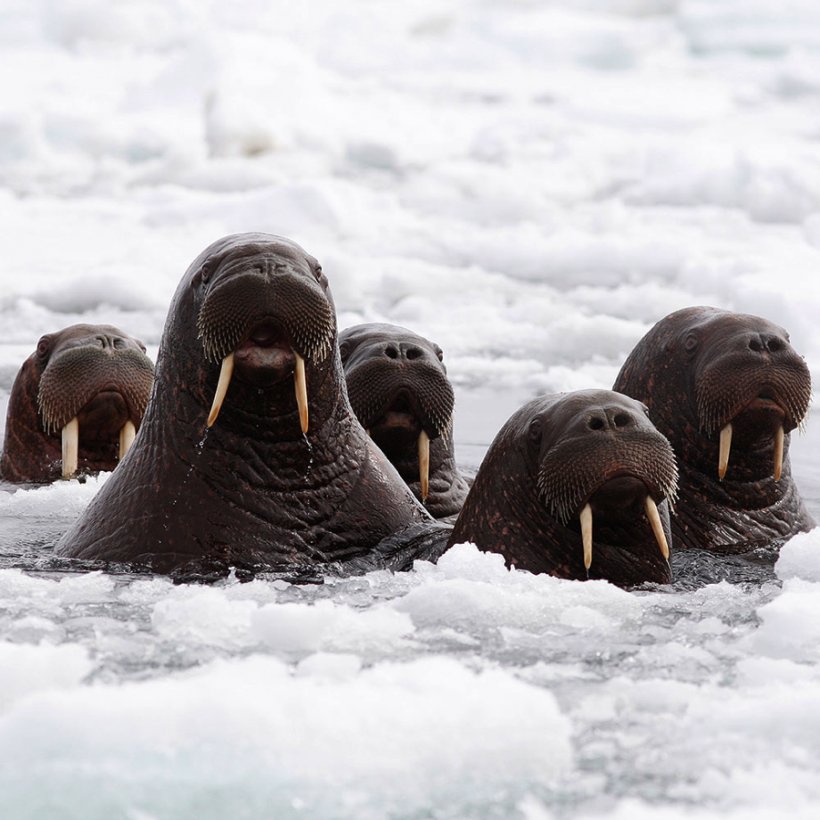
(76, 404)
(726, 389)
(249, 453)
(576, 485)
(399, 390)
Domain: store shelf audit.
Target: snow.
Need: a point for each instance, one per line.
(530, 184)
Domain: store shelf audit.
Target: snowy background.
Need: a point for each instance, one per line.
(532, 185)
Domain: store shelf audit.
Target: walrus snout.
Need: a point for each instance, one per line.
(266, 316)
(753, 388)
(767, 342)
(94, 394)
(622, 498)
(613, 418)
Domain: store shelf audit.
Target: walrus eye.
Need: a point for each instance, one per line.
(439, 353)
(203, 275)
(690, 343)
(43, 346)
(344, 350)
(318, 273)
(534, 431)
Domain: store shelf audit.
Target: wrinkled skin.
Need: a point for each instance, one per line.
(398, 387)
(96, 373)
(251, 490)
(553, 456)
(697, 370)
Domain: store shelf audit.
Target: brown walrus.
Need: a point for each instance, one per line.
(576, 485)
(726, 389)
(398, 388)
(76, 404)
(249, 453)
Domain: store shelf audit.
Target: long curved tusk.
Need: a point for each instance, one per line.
(725, 449)
(586, 534)
(657, 527)
(300, 383)
(225, 374)
(71, 447)
(127, 434)
(424, 464)
(779, 438)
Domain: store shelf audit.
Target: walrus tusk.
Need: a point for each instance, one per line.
(127, 434)
(71, 447)
(586, 534)
(221, 388)
(779, 437)
(725, 448)
(301, 391)
(424, 464)
(655, 522)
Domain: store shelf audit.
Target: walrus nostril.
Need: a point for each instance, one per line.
(391, 352)
(596, 423)
(622, 420)
(757, 344)
(774, 344)
(412, 352)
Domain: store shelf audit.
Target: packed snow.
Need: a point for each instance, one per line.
(530, 184)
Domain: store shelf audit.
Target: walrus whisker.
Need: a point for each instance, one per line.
(586, 534)
(225, 374)
(300, 383)
(424, 464)
(657, 528)
(725, 449)
(127, 435)
(71, 447)
(779, 438)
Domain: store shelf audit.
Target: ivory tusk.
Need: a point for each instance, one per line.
(300, 383)
(424, 464)
(71, 447)
(586, 534)
(657, 527)
(127, 434)
(224, 382)
(779, 438)
(725, 448)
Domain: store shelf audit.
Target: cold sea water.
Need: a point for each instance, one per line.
(530, 184)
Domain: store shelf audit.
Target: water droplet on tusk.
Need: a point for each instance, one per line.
(71, 447)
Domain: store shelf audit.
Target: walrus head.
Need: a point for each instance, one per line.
(263, 311)
(576, 485)
(726, 389)
(399, 390)
(76, 404)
